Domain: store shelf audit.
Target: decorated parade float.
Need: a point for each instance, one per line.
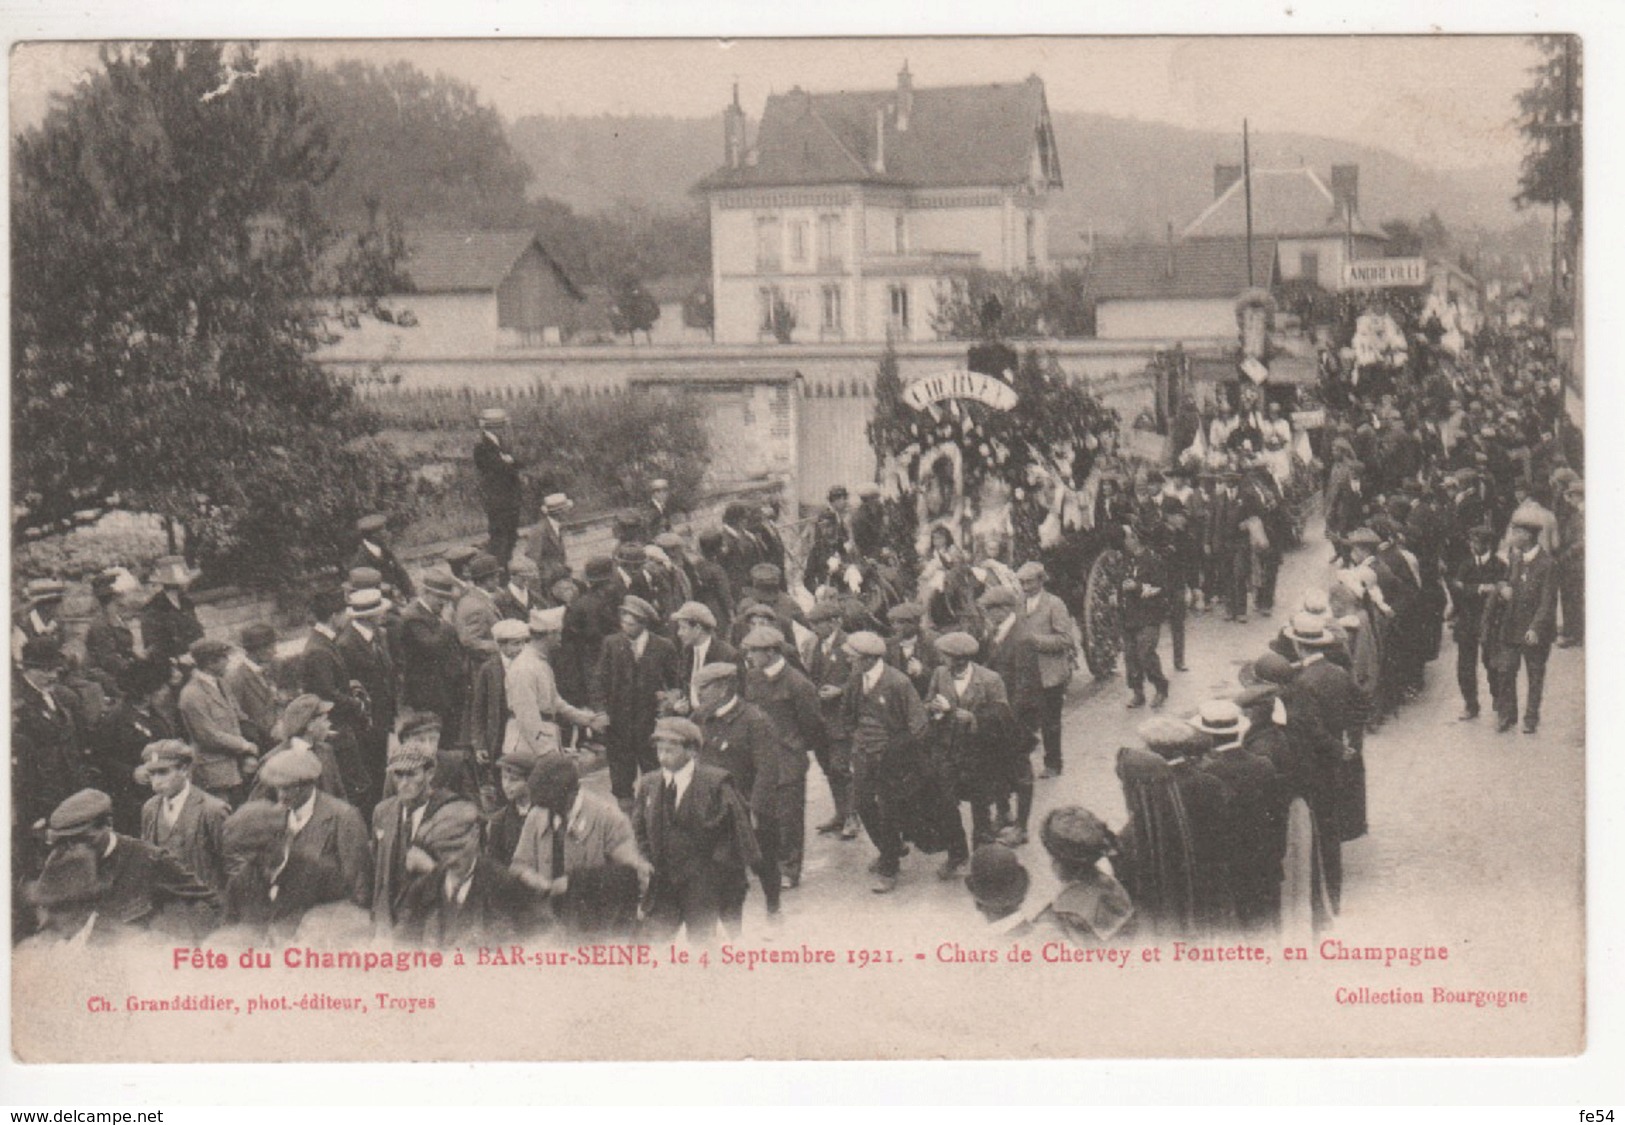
(1005, 460)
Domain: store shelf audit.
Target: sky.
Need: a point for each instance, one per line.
(1442, 101)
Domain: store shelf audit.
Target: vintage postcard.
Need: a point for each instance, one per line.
(867, 549)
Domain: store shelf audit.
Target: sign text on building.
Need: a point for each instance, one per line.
(985, 389)
(1384, 273)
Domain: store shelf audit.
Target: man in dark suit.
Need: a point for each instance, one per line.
(323, 831)
(694, 830)
(1528, 625)
(1342, 707)
(634, 667)
(711, 584)
(322, 673)
(109, 642)
(831, 543)
(181, 818)
(911, 648)
(829, 667)
(169, 622)
(515, 600)
(590, 617)
(1476, 578)
(1009, 651)
(433, 675)
(697, 633)
(364, 646)
(787, 697)
(657, 512)
(1229, 545)
(140, 886)
(738, 737)
(500, 488)
(1142, 606)
(397, 823)
(372, 551)
(466, 898)
(740, 550)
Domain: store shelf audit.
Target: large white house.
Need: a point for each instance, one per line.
(851, 209)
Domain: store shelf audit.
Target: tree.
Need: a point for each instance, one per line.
(374, 264)
(1033, 304)
(165, 245)
(1549, 116)
(632, 309)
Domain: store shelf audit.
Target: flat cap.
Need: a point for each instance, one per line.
(296, 716)
(78, 814)
(765, 574)
(1527, 520)
(509, 629)
(675, 729)
(440, 580)
(868, 489)
(167, 750)
(711, 673)
(599, 569)
(293, 766)
(696, 612)
(253, 828)
(998, 596)
(658, 483)
(996, 876)
(763, 636)
(483, 566)
(1362, 537)
(460, 555)
(407, 755)
(523, 566)
(520, 760)
(668, 541)
(865, 643)
(1271, 668)
(375, 521)
(416, 723)
(635, 606)
(551, 778)
(957, 644)
(905, 611)
(256, 636)
(205, 649)
(452, 828)
(825, 610)
(365, 578)
(755, 607)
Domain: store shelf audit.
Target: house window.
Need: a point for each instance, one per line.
(768, 242)
(764, 306)
(798, 242)
(829, 242)
(899, 234)
(1309, 266)
(831, 304)
(899, 307)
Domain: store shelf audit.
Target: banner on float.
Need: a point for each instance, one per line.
(973, 385)
(1385, 273)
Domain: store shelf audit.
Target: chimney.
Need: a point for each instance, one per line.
(905, 97)
(878, 164)
(1346, 188)
(1223, 176)
(733, 132)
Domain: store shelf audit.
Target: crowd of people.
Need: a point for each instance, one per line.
(412, 768)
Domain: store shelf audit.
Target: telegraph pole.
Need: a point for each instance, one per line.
(1247, 187)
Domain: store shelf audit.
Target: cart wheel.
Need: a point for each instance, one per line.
(1102, 637)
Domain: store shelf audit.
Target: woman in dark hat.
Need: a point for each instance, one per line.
(1092, 907)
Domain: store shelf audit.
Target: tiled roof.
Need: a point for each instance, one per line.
(1201, 268)
(1287, 203)
(957, 136)
(460, 261)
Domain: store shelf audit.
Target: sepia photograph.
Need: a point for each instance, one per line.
(830, 548)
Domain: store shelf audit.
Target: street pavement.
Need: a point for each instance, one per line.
(1468, 828)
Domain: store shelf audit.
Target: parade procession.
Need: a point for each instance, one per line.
(1160, 658)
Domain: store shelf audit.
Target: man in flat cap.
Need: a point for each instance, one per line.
(1009, 651)
(368, 662)
(694, 830)
(789, 700)
(42, 601)
(397, 823)
(63, 902)
(324, 831)
(225, 757)
(911, 648)
(888, 724)
(578, 847)
(477, 609)
(504, 827)
(465, 897)
(868, 522)
(500, 487)
(974, 737)
(139, 886)
(534, 703)
(180, 818)
(374, 551)
(1142, 607)
(516, 599)
(697, 633)
(634, 667)
(1528, 622)
(829, 667)
(1055, 637)
(738, 737)
(832, 547)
